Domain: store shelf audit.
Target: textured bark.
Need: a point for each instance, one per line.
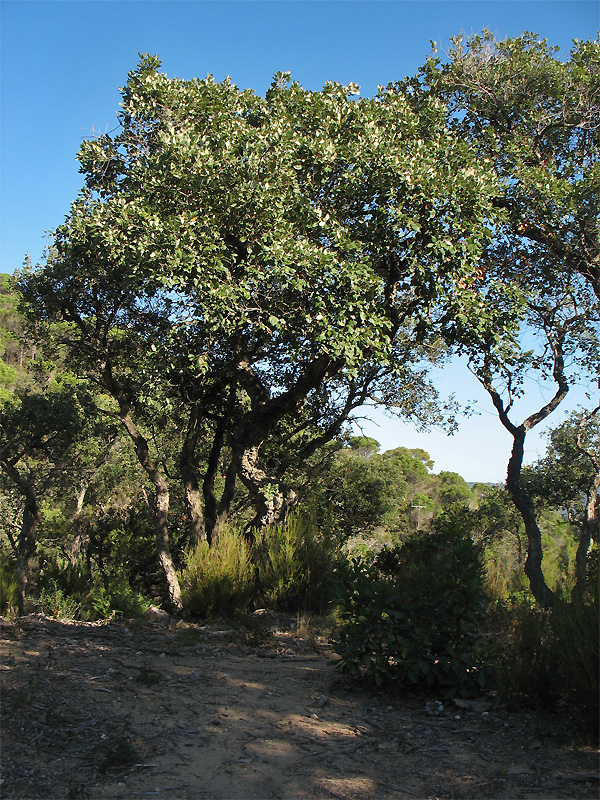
(191, 486)
(26, 545)
(208, 487)
(161, 497)
(590, 529)
(533, 563)
(161, 512)
(228, 491)
(272, 498)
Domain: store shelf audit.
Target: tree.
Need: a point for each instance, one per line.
(258, 268)
(536, 119)
(37, 430)
(568, 477)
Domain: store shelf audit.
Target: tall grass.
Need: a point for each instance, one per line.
(218, 580)
(9, 585)
(295, 566)
(288, 568)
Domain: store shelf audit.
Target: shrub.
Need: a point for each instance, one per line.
(116, 597)
(218, 580)
(414, 618)
(57, 572)
(56, 602)
(294, 566)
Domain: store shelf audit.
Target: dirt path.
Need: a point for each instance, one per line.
(116, 711)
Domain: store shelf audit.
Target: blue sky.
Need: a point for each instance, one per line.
(62, 64)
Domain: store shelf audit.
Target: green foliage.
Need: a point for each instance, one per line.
(218, 580)
(453, 489)
(117, 597)
(295, 566)
(69, 590)
(57, 573)
(414, 619)
(56, 602)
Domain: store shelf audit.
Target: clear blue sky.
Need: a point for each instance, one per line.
(62, 64)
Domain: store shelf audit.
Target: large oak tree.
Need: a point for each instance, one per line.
(258, 267)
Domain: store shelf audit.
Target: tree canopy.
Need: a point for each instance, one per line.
(261, 266)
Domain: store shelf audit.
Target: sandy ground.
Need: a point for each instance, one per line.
(253, 711)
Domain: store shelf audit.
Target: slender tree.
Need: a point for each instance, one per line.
(536, 118)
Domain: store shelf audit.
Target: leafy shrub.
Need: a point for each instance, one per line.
(117, 597)
(218, 580)
(414, 618)
(57, 572)
(294, 566)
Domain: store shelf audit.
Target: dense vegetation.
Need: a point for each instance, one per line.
(236, 277)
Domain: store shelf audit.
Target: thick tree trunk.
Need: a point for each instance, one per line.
(533, 563)
(272, 499)
(228, 491)
(212, 468)
(27, 546)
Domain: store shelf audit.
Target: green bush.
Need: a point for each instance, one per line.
(218, 580)
(54, 601)
(294, 566)
(414, 618)
(117, 597)
(73, 579)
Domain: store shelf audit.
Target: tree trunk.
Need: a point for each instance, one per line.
(588, 533)
(272, 499)
(228, 491)
(533, 563)
(26, 545)
(161, 511)
(212, 468)
(191, 487)
(161, 498)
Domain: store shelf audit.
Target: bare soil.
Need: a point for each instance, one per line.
(124, 710)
